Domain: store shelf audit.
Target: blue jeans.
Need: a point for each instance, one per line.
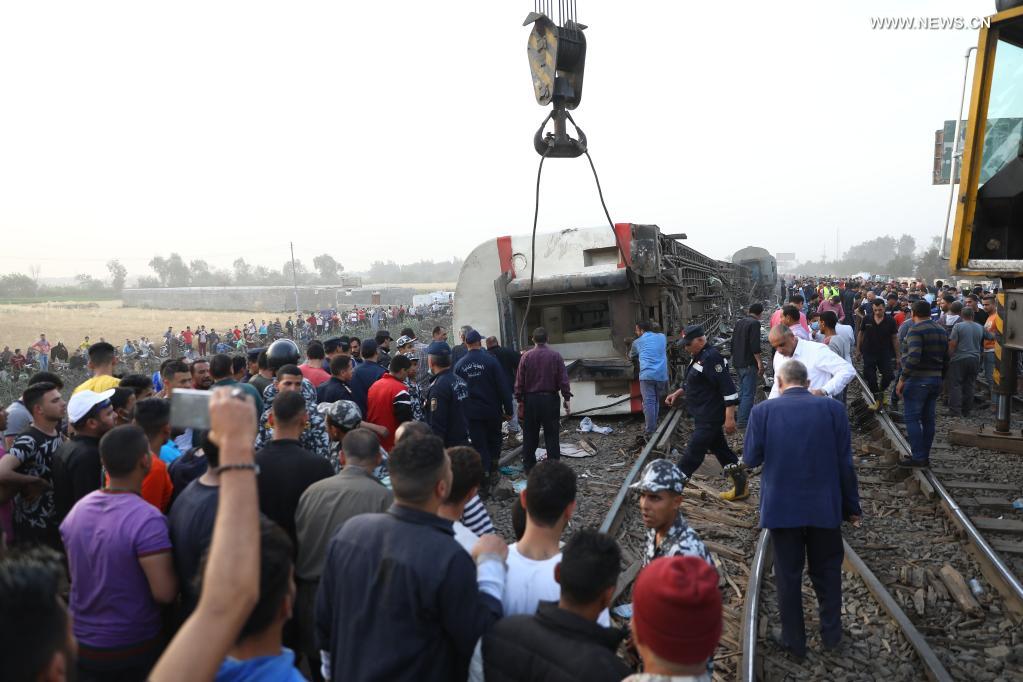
(652, 392)
(747, 392)
(44, 362)
(921, 397)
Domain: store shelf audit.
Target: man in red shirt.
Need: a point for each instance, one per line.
(312, 368)
(186, 336)
(389, 403)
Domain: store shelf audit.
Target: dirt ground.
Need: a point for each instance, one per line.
(20, 325)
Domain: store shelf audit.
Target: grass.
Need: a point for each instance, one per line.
(20, 324)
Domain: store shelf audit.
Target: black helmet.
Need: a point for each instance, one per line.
(281, 352)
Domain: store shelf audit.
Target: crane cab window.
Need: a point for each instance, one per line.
(989, 219)
(1005, 110)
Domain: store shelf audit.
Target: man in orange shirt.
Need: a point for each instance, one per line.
(153, 415)
(993, 325)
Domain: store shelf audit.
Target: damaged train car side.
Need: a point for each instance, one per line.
(589, 287)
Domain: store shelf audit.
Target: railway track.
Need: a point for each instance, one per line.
(909, 612)
(910, 591)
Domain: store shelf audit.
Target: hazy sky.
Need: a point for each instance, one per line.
(403, 130)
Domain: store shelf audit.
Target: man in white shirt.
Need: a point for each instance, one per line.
(549, 500)
(846, 331)
(829, 373)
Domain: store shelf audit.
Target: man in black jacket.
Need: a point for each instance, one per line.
(399, 598)
(509, 360)
(563, 640)
(490, 401)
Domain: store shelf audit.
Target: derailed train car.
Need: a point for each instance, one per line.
(588, 287)
(763, 270)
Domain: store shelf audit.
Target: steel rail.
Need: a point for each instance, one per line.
(762, 560)
(761, 564)
(935, 670)
(995, 569)
(667, 427)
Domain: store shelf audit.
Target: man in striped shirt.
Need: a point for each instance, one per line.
(923, 366)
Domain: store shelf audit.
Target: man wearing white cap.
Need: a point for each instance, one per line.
(77, 470)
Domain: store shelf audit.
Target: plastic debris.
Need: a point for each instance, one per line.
(1017, 503)
(586, 425)
(519, 486)
(976, 587)
(574, 451)
(623, 610)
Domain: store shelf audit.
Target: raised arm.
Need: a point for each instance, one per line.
(231, 578)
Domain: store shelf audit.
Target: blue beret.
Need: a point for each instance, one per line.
(693, 332)
(438, 348)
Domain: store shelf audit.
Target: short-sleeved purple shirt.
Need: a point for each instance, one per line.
(105, 535)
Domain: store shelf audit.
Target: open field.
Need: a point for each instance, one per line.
(71, 322)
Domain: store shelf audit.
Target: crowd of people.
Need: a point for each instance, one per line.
(919, 344)
(359, 550)
(329, 523)
(198, 342)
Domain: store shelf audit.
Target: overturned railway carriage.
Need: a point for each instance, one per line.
(588, 287)
(763, 270)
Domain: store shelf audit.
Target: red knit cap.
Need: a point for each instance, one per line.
(676, 609)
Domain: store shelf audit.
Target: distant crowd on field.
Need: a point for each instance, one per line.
(193, 342)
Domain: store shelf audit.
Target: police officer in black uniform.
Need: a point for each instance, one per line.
(445, 396)
(489, 404)
(711, 399)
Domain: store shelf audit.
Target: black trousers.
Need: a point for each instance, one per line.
(540, 409)
(485, 435)
(706, 437)
(822, 549)
(962, 378)
(878, 362)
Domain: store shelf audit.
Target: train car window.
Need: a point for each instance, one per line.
(578, 317)
(602, 256)
(573, 322)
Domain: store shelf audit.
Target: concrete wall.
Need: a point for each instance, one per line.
(261, 299)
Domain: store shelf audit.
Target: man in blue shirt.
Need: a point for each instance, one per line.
(807, 488)
(366, 374)
(650, 348)
(259, 654)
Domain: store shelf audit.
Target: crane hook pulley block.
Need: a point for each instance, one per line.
(557, 58)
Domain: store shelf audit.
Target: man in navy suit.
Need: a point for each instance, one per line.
(807, 488)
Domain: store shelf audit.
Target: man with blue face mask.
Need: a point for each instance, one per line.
(816, 334)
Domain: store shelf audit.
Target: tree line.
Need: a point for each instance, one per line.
(895, 256)
(175, 271)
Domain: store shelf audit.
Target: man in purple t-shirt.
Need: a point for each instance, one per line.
(119, 555)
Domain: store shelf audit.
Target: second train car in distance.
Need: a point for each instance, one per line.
(589, 288)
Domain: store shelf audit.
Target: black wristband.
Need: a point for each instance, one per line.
(238, 467)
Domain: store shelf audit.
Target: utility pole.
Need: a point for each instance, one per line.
(294, 276)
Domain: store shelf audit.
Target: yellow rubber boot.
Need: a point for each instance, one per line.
(740, 486)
